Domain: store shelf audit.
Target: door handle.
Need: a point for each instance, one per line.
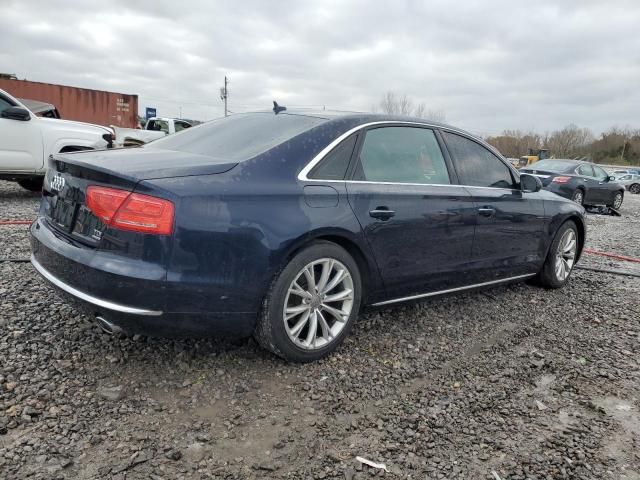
(486, 211)
(382, 213)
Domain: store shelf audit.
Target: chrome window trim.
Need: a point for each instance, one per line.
(457, 185)
(452, 290)
(90, 298)
(302, 176)
(408, 184)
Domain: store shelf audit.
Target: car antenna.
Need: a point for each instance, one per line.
(278, 108)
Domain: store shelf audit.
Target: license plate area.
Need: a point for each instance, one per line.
(63, 213)
(88, 225)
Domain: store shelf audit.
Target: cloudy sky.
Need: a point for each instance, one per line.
(488, 65)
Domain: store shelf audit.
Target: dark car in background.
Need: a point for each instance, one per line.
(284, 225)
(583, 182)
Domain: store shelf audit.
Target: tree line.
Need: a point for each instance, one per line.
(615, 146)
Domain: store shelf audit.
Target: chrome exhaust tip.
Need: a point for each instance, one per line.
(108, 327)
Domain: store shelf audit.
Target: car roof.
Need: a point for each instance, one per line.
(567, 160)
(367, 117)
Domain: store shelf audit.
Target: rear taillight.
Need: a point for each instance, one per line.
(131, 211)
(561, 179)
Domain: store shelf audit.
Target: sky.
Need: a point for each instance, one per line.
(488, 65)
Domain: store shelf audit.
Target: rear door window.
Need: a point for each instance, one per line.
(585, 171)
(599, 173)
(476, 165)
(401, 155)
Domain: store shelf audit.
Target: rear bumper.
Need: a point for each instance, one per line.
(126, 293)
(561, 189)
(90, 299)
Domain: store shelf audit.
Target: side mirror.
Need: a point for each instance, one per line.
(530, 183)
(16, 113)
(610, 178)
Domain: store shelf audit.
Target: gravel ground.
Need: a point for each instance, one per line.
(515, 382)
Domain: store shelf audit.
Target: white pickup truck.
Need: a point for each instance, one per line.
(156, 127)
(26, 141)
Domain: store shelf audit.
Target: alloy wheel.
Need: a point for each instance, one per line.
(318, 303)
(565, 255)
(635, 188)
(617, 201)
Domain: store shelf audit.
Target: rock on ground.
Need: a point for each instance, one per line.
(452, 388)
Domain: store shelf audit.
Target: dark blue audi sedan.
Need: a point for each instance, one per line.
(286, 225)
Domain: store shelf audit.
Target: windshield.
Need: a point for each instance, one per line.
(238, 137)
(553, 165)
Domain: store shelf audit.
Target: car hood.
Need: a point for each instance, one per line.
(138, 163)
(58, 122)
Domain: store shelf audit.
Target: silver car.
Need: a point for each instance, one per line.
(630, 181)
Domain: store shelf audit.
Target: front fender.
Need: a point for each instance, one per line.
(91, 144)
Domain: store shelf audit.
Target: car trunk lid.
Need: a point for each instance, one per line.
(64, 204)
(545, 176)
(140, 163)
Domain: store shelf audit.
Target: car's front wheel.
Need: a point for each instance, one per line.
(617, 200)
(311, 305)
(561, 257)
(635, 188)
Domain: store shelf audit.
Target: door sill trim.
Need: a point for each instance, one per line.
(452, 290)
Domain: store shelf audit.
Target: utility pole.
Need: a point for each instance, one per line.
(224, 93)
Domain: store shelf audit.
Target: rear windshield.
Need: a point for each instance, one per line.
(238, 137)
(553, 165)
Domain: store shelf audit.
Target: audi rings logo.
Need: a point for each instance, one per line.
(57, 182)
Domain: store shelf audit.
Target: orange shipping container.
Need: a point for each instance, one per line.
(81, 104)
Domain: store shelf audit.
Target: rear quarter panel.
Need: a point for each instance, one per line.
(232, 235)
(234, 231)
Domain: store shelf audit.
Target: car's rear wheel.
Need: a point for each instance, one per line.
(561, 257)
(617, 200)
(32, 184)
(311, 305)
(578, 196)
(635, 188)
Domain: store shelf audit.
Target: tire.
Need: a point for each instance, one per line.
(635, 188)
(617, 200)
(578, 196)
(551, 276)
(32, 184)
(286, 338)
